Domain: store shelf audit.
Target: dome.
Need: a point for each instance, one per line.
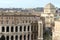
(49, 5)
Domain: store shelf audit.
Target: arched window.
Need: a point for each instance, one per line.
(20, 28)
(24, 28)
(16, 29)
(3, 29)
(28, 28)
(24, 37)
(31, 28)
(26, 21)
(7, 30)
(20, 37)
(16, 37)
(32, 37)
(28, 37)
(7, 37)
(12, 38)
(12, 29)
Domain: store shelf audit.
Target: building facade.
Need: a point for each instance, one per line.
(25, 25)
(56, 31)
(18, 27)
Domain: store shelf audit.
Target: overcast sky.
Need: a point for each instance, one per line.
(27, 3)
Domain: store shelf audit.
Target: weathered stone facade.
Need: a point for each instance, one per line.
(17, 25)
(56, 31)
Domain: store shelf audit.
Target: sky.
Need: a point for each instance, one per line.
(27, 3)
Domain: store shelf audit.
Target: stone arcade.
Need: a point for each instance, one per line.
(17, 25)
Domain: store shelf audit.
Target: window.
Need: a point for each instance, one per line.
(20, 28)
(3, 29)
(16, 28)
(24, 37)
(7, 38)
(28, 36)
(28, 28)
(35, 36)
(12, 38)
(12, 29)
(26, 21)
(31, 28)
(16, 37)
(32, 37)
(24, 28)
(7, 30)
(20, 37)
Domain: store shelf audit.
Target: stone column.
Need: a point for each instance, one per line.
(18, 28)
(30, 28)
(22, 36)
(9, 37)
(14, 28)
(5, 37)
(14, 37)
(30, 37)
(0, 28)
(26, 36)
(5, 28)
(22, 28)
(18, 37)
(26, 28)
(9, 28)
(40, 30)
(33, 27)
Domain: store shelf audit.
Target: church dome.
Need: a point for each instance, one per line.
(49, 5)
